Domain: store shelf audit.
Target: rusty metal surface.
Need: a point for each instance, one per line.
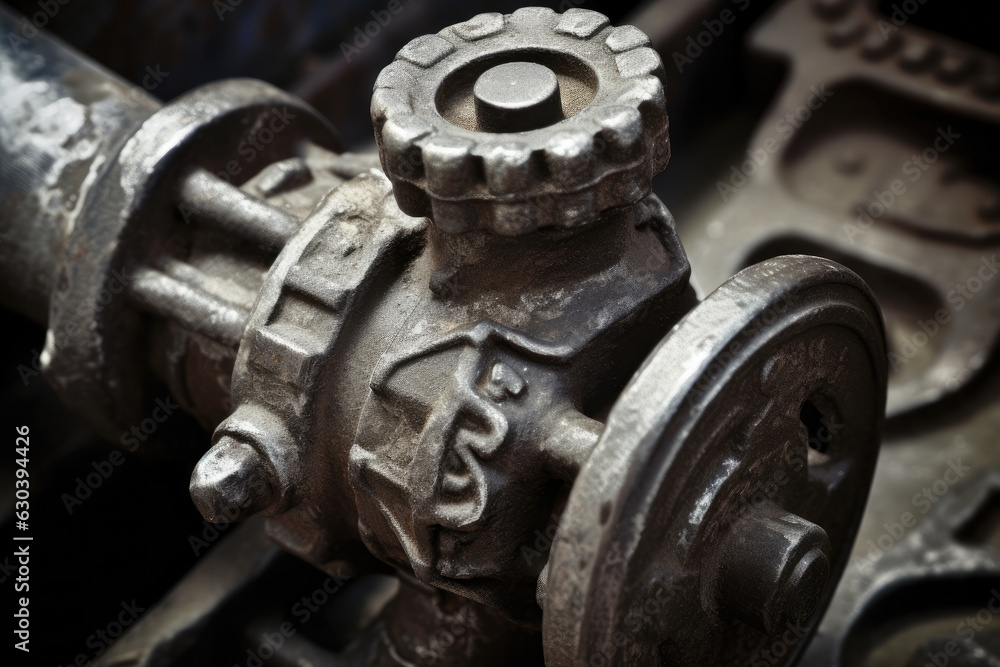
(467, 166)
(660, 510)
(469, 380)
(63, 120)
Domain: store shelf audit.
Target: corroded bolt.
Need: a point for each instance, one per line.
(231, 482)
(774, 568)
(251, 469)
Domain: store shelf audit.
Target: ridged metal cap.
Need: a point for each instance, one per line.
(511, 123)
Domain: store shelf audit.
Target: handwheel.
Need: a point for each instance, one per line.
(711, 522)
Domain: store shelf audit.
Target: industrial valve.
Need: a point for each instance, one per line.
(479, 359)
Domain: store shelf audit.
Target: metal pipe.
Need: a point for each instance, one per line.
(63, 119)
(224, 206)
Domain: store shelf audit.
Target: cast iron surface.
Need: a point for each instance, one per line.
(438, 397)
(772, 389)
(452, 155)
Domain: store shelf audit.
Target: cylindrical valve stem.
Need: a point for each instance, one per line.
(517, 97)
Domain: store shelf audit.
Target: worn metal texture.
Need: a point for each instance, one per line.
(728, 483)
(923, 568)
(62, 120)
(898, 73)
(457, 158)
(432, 396)
(94, 354)
(435, 390)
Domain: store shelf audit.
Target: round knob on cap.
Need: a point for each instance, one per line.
(230, 482)
(515, 97)
(508, 123)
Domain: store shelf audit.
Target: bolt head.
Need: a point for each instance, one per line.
(774, 569)
(231, 482)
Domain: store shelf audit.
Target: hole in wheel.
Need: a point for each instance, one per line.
(818, 433)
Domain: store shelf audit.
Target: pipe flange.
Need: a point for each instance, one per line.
(717, 511)
(508, 123)
(93, 355)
